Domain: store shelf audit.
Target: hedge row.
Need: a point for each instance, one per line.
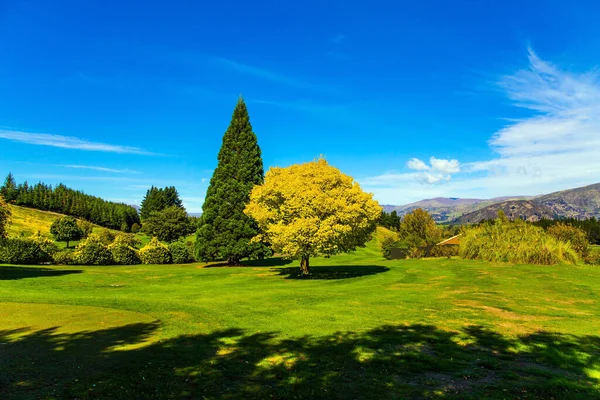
(93, 251)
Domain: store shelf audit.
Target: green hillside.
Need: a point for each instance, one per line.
(26, 221)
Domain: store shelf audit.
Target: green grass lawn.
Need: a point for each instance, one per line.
(359, 327)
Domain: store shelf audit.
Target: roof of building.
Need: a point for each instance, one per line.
(452, 240)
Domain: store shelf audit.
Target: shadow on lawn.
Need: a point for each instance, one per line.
(13, 273)
(416, 361)
(331, 272)
(267, 262)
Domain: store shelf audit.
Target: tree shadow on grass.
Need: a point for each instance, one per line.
(14, 273)
(267, 262)
(331, 272)
(412, 361)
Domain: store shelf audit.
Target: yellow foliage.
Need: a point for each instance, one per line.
(312, 209)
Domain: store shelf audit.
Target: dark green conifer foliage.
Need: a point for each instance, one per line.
(159, 199)
(9, 189)
(224, 231)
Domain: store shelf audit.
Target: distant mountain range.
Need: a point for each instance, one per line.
(583, 202)
(446, 209)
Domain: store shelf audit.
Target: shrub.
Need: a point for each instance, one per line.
(93, 252)
(180, 253)
(135, 228)
(22, 251)
(448, 250)
(86, 227)
(575, 236)
(126, 239)
(387, 244)
(593, 256)
(64, 257)
(105, 236)
(517, 242)
(47, 245)
(155, 253)
(124, 255)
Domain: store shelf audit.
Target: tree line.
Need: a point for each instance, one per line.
(64, 200)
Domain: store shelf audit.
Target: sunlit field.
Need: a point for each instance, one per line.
(359, 327)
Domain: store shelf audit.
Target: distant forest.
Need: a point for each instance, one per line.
(67, 201)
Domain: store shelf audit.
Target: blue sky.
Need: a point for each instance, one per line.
(413, 99)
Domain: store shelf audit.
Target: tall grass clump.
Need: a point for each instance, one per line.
(516, 242)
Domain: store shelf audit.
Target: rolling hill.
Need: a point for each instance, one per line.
(527, 210)
(446, 209)
(26, 221)
(579, 203)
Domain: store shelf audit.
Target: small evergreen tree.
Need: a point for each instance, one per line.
(66, 229)
(224, 231)
(167, 225)
(159, 199)
(9, 189)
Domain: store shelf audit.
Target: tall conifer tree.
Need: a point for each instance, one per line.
(224, 231)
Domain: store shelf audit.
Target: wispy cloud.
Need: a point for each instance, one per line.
(304, 105)
(96, 168)
(68, 142)
(269, 75)
(557, 147)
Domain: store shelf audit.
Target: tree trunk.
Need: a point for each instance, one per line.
(233, 261)
(304, 268)
(67, 244)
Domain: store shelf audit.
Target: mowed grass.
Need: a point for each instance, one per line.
(359, 327)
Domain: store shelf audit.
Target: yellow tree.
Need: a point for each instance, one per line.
(312, 209)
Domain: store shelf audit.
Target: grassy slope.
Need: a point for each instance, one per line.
(26, 221)
(360, 327)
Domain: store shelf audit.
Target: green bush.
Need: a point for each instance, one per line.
(123, 254)
(93, 252)
(64, 257)
(126, 239)
(48, 246)
(180, 253)
(135, 228)
(448, 250)
(516, 242)
(387, 244)
(105, 236)
(593, 256)
(155, 253)
(22, 251)
(568, 233)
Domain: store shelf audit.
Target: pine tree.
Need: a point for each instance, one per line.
(9, 189)
(224, 231)
(158, 199)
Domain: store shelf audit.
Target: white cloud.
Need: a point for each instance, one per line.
(415, 163)
(556, 148)
(68, 142)
(103, 169)
(445, 166)
(438, 171)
